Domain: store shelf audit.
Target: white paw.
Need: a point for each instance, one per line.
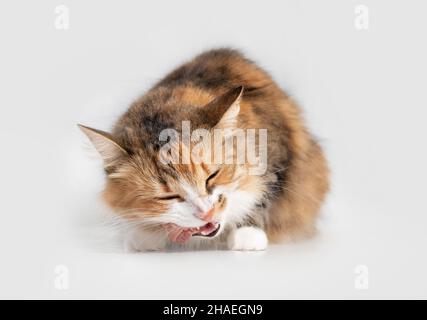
(247, 239)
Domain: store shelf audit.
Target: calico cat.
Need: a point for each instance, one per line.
(205, 203)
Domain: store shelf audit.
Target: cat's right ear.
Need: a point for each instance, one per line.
(104, 143)
(223, 111)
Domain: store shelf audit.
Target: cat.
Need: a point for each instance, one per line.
(212, 204)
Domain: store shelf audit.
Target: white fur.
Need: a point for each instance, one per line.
(137, 240)
(239, 204)
(247, 239)
(184, 214)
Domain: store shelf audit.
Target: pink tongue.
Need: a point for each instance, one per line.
(206, 229)
(182, 235)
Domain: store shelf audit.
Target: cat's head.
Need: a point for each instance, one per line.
(194, 194)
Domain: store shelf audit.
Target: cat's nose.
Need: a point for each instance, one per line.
(207, 215)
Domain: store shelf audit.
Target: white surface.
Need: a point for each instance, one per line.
(364, 95)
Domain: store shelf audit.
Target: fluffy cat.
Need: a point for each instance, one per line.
(212, 204)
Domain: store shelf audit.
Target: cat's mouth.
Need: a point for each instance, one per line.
(182, 235)
(208, 230)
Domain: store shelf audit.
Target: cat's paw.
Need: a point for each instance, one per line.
(247, 239)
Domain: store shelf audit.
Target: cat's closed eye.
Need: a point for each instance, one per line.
(170, 197)
(213, 175)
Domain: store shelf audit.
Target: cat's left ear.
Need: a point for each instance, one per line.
(222, 112)
(105, 144)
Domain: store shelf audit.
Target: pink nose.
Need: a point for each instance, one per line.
(207, 216)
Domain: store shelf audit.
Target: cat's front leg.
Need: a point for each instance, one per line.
(247, 238)
(138, 240)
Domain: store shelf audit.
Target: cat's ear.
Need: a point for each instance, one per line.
(222, 112)
(104, 143)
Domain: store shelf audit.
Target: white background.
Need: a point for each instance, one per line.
(363, 92)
